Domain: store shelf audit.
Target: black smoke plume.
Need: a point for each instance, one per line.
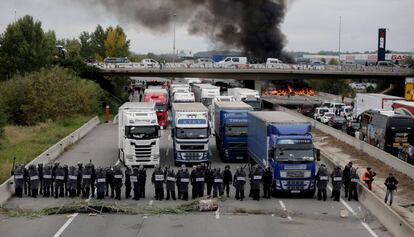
(252, 26)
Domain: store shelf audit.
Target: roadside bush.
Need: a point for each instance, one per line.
(54, 93)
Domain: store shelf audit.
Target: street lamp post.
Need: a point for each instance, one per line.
(339, 39)
(174, 38)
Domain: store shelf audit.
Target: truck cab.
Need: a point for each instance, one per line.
(248, 96)
(190, 132)
(183, 97)
(160, 97)
(139, 134)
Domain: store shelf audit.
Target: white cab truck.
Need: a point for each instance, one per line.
(205, 93)
(139, 134)
(248, 96)
(183, 97)
(211, 110)
(367, 101)
(190, 131)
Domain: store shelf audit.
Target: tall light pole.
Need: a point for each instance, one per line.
(339, 39)
(174, 38)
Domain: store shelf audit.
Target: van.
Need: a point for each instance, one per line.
(273, 62)
(232, 61)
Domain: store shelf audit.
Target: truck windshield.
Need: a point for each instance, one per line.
(255, 103)
(192, 133)
(236, 131)
(141, 132)
(160, 107)
(294, 156)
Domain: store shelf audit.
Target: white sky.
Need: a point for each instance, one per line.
(310, 25)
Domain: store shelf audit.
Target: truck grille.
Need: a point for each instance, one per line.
(295, 174)
(192, 147)
(192, 155)
(143, 152)
(295, 185)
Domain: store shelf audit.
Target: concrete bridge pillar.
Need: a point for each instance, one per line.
(258, 85)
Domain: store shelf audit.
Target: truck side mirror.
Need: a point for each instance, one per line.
(318, 154)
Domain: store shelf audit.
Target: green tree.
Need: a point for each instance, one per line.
(73, 48)
(87, 50)
(116, 43)
(25, 47)
(333, 62)
(98, 42)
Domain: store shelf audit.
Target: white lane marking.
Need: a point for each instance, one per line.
(64, 226)
(373, 234)
(151, 202)
(218, 213)
(166, 153)
(365, 225)
(169, 137)
(210, 153)
(282, 204)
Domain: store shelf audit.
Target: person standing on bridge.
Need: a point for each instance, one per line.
(142, 179)
(118, 176)
(322, 180)
(227, 179)
(336, 183)
(157, 180)
(368, 177)
(391, 184)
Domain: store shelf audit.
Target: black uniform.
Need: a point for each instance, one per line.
(59, 182)
(322, 180)
(239, 183)
(336, 183)
(346, 178)
(72, 181)
(183, 176)
(199, 179)
(54, 168)
(142, 179)
(353, 186)
(109, 181)
(128, 182)
(26, 183)
(135, 183)
(193, 185)
(86, 181)
(18, 174)
(66, 172)
(158, 180)
(218, 183)
(34, 180)
(170, 185)
(118, 176)
(47, 181)
(40, 171)
(93, 177)
(227, 180)
(257, 177)
(100, 183)
(267, 183)
(79, 180)
(209, 180)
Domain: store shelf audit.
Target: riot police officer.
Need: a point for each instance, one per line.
(86, 181)
(54, 168)
(199, 182)
(170, 186)
(18, 174)
(218, 183)
(118, 176)
(353, 185)
(79, 188)
(157, 180)
(109, 181)
(135, 183)
(47, 180)
(267, 183)
(26, 183)
(193, 182)
(227, 179)
(66, 175)
(322, 179)
(142, 179)
(100, 183)
(257, 177)
(336, 183)
(93, 178)
(127, 182)
(183, 176)
(34, 180)
(209, 180)
(239, 182)
(40, 171)
(59, 182)
(72, 181)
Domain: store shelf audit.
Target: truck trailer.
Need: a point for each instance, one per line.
(283, 142)
(205, 93)
(231, 129)
(367, 101)
(160, 97)
(138, 134)
(190, 132)
(248, 96)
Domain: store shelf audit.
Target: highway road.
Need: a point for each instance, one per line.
(284, 217)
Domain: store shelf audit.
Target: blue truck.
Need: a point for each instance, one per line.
(283, 142)
(230, 128)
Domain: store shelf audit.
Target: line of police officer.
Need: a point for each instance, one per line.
(60, 181)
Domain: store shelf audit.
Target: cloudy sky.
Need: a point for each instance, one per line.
(310, 25)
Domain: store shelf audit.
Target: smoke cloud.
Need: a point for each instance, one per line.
(252, 26)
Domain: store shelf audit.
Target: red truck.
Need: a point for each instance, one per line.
(160, 97)
(404, 107)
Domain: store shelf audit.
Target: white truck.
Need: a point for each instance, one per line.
(190, 131)
(138, 134)
(367, 101)
(248, 96)
(230, 62)
(205, 93)
(211, 110)
(183, 97)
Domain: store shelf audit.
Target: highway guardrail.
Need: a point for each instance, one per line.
(7, 188)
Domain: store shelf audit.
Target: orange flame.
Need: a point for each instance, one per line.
(289, 91)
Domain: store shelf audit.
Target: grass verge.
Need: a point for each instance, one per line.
(27, 142)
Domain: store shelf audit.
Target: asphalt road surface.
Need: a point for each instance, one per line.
(285, 216)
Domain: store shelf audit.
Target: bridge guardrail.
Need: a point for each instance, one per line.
(53, 152)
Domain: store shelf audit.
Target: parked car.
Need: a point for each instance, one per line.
(149, 63)
(319, 112)
(350, 127)
(336, 122)
(407, 154)
(326, 117)
(306, 109)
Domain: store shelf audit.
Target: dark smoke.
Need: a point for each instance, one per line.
(252, 26)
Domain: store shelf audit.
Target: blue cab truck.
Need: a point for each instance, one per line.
(283, 142)
(230, 128)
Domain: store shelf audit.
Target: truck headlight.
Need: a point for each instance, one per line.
(307, 174)
(283, 174)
